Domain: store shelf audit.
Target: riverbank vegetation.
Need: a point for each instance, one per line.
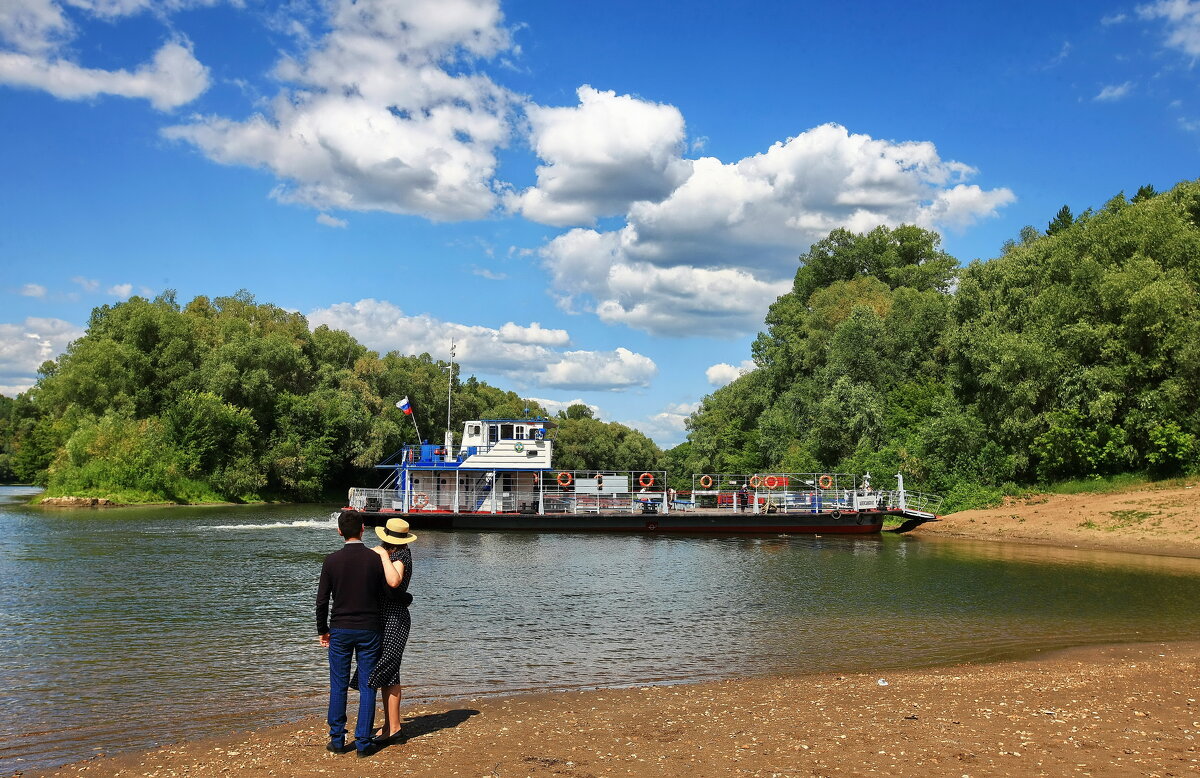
(228, 399)
(1073, 355)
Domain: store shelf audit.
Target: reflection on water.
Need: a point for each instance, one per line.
(141, 626)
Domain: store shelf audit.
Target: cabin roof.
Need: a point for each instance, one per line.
(542, 422)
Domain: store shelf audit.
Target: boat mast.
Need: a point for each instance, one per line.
(449, 388)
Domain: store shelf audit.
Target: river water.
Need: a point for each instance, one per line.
(126, 629)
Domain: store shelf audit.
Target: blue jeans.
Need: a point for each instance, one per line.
(343, 644)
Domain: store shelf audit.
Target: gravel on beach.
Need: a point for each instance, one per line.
(1096, 711)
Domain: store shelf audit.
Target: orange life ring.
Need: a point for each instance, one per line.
(771, 482)
(564, 479)
(755, 482)
(420, 500)
(646, 479)
(706, 481)
(825, 481)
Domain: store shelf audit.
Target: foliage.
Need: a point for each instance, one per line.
(1074, 354)
(230, 399)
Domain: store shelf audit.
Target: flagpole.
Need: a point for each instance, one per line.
(449, 385)
(406, 406)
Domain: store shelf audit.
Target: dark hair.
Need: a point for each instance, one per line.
(389, 547)
(350, 525)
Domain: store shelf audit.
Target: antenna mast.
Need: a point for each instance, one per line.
(449, 386)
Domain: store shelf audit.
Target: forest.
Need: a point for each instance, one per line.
(1073, 354)
(229, 399)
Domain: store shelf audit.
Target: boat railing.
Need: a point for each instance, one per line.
(915, 503)
(777, 492)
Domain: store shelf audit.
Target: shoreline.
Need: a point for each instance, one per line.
(1108, 710)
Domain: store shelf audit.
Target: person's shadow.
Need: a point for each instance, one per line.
(415, 726)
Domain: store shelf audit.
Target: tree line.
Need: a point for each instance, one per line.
(228, 399)
(1073, 354)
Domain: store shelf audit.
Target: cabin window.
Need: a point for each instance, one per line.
(474, 430)
(519, 433)
(506, 431)
(493, 433)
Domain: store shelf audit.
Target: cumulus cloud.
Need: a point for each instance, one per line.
(33, 290)
(554, 406)
(88, 284)
(331, 221)
(601, 156)
(1182, 18)
(380, 114)
(122, 291)
(724, 373)
(668, 427)
(36, 34)
(712, 255)
(1114, 92)
(25, 346)
(523, 354)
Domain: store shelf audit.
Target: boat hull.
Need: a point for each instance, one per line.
(724, 522)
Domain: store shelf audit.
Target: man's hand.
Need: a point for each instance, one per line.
(324, 640)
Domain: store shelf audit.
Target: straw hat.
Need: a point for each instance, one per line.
(395, 532)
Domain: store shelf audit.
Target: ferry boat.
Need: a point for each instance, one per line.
(501, 477)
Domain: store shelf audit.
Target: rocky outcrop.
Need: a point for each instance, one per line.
(77, 502)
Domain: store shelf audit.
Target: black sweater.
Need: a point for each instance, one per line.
(354, 577)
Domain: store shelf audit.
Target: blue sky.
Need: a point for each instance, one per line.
(597, 201)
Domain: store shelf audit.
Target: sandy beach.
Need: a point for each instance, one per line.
(1120, 710)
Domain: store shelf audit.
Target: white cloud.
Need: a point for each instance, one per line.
(1114, 92)
(554, 406)
(88, 284)
(709, 258)
(36, 55)
(534, 333)
(1111, 19)
(724, 373)
(331, 221)
(667, 428)
(25, 346)
(601, 156)
(33, 290)
(380, 114)
(1182, 19)
(122, 291)
(490, 275)
(522, 354)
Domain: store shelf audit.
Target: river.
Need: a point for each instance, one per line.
(130, 628)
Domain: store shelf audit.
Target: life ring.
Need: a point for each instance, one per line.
(564, 479)
(420, 500)
(825, 481)
(836, 515)
(646, 479)
(519, 448)
(771, 482)
(706, 481)
(755, 482)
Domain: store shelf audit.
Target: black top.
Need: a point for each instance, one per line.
(354, 577)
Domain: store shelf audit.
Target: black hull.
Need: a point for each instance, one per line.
(725, 522)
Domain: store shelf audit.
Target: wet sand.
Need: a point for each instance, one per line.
(1126, 710)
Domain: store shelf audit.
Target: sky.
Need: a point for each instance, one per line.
(596, 201)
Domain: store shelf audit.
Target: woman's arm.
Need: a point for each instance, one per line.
(389, 569)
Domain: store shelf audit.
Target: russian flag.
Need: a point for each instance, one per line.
(404, 406)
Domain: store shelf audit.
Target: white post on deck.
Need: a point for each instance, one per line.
(493, 495)
(457, 481)
(903, 499)
(541, 478)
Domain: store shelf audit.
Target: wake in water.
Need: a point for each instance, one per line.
(315, 523)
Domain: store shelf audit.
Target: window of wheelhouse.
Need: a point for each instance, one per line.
(519, 433)
(506, 431)
(493, 433)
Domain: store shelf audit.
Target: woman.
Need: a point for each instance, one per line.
(397, 567)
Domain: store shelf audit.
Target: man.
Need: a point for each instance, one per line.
(354, 578)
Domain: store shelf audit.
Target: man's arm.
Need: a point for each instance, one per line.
(323, 592)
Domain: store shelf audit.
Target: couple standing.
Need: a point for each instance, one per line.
(369, 589)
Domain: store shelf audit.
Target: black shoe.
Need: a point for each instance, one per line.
(334, 748)
(370, 750)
